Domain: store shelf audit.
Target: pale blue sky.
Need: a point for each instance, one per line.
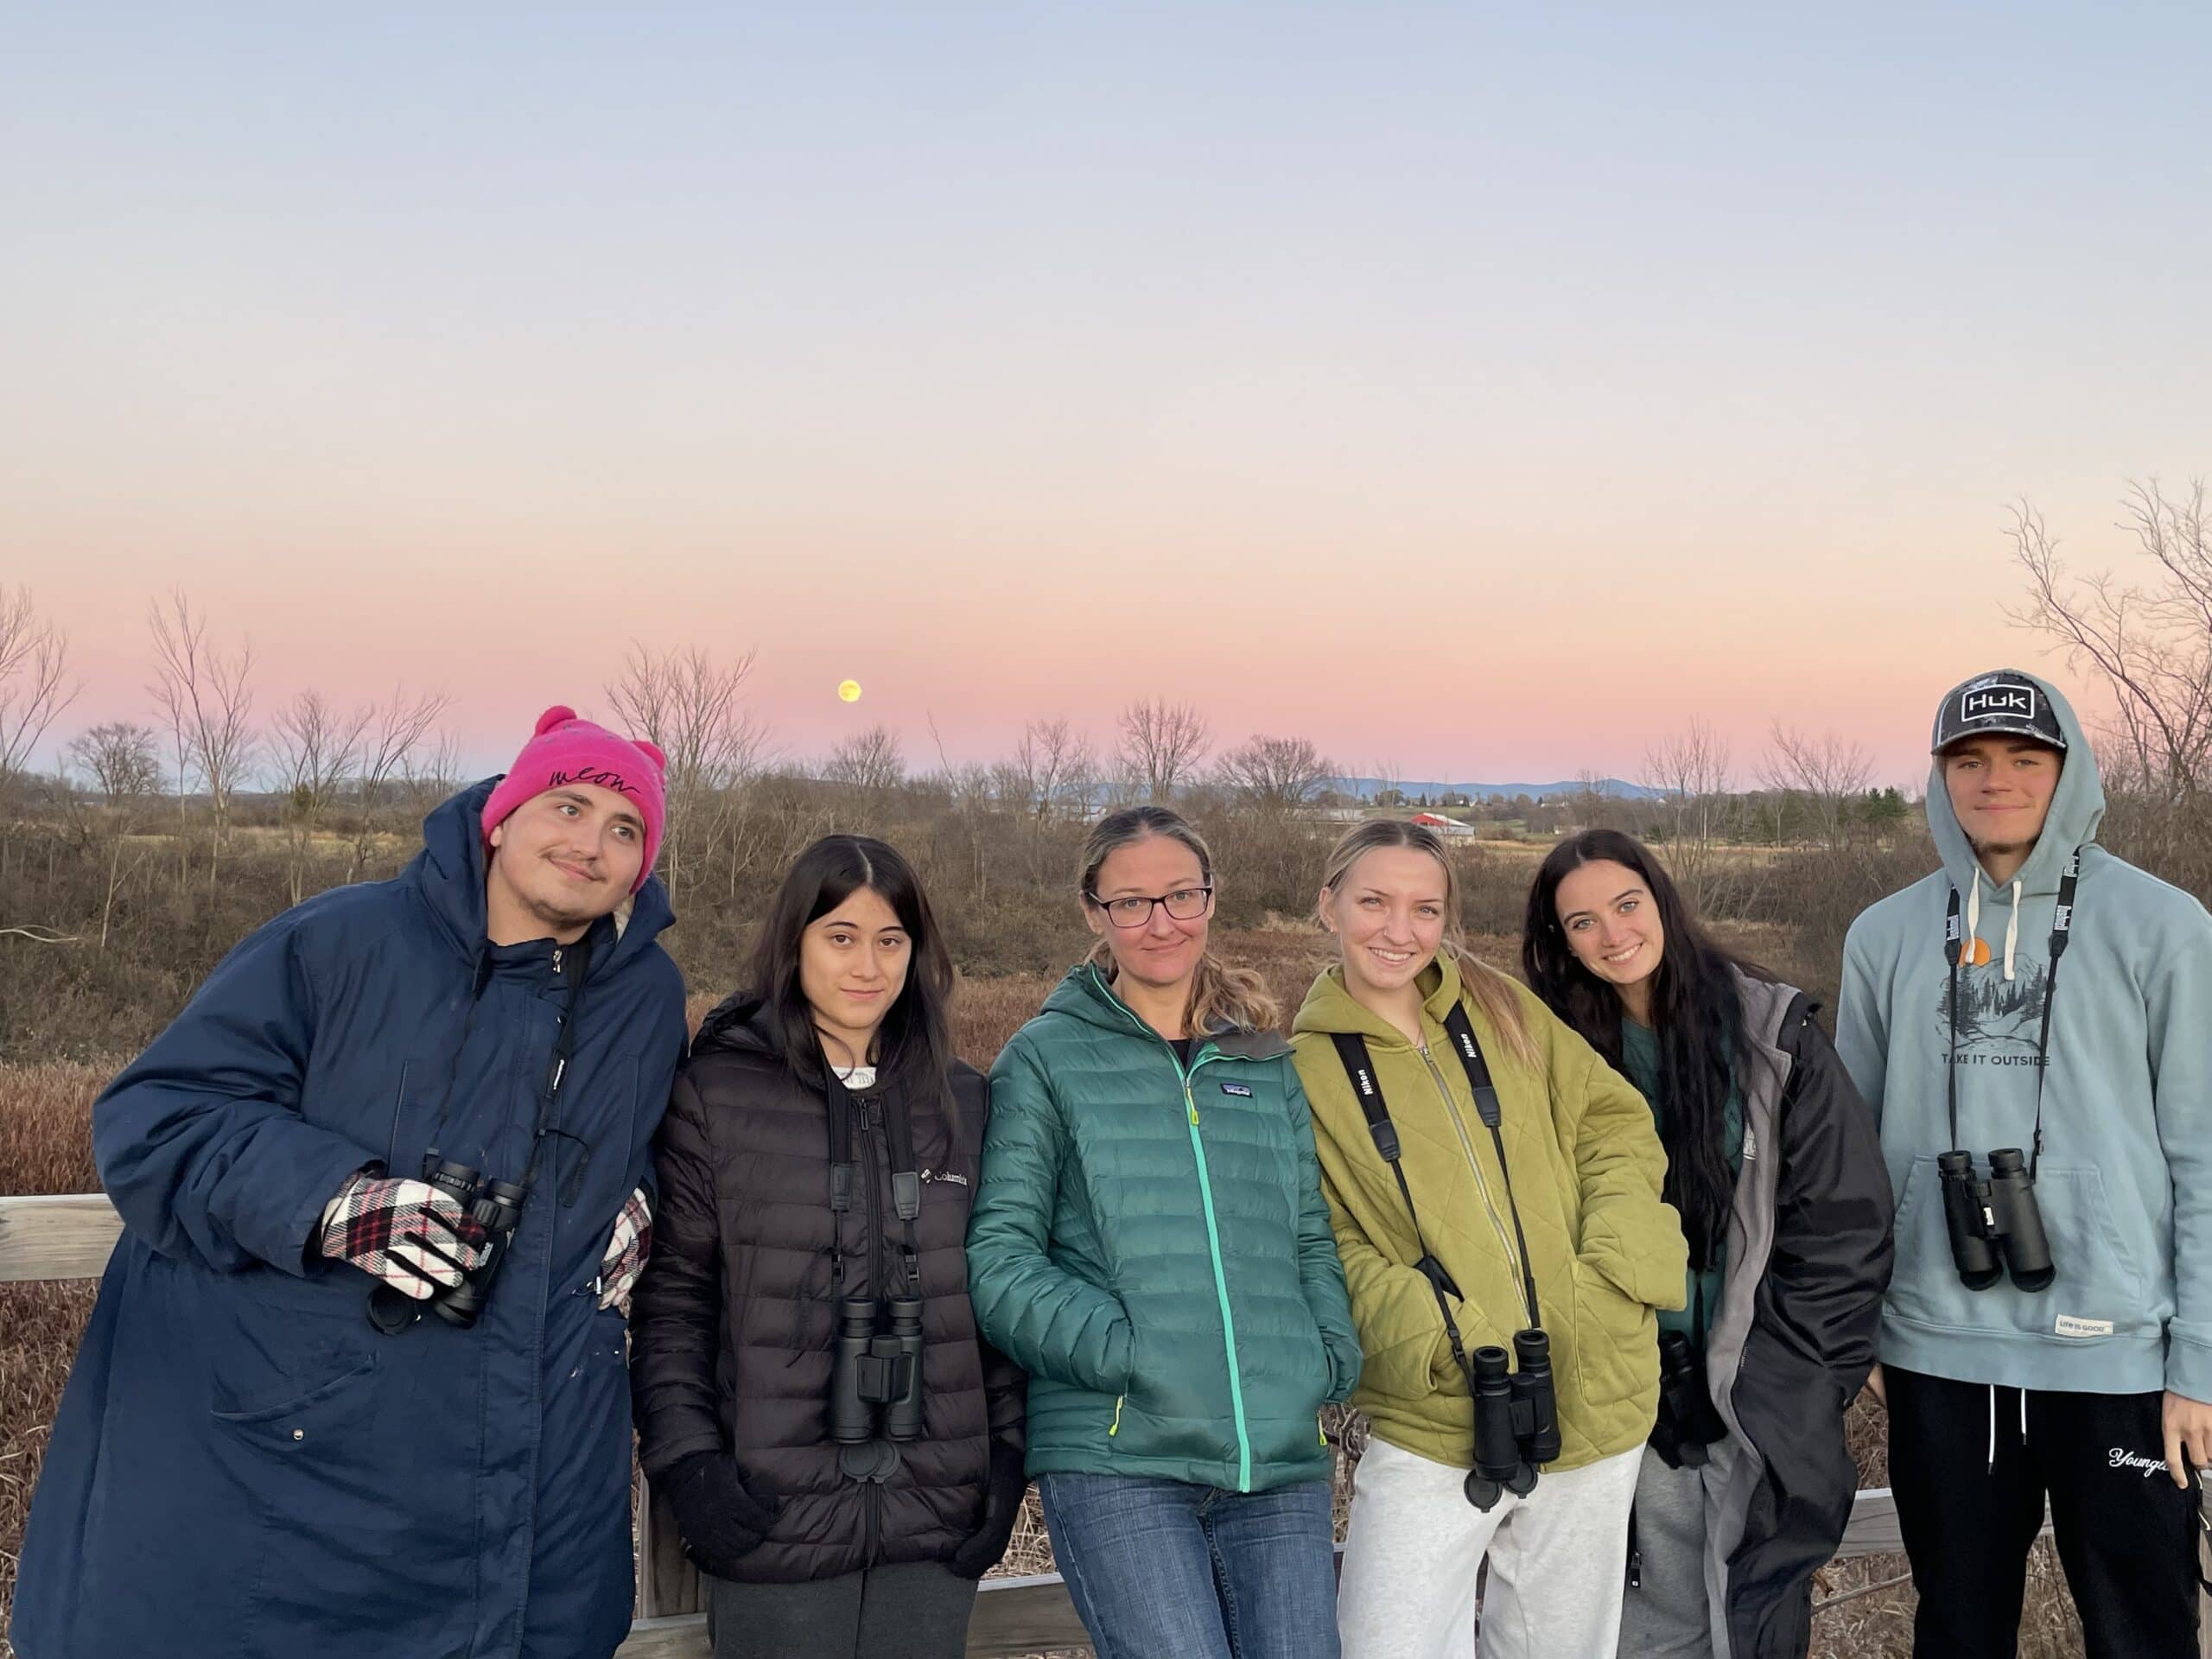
(1608, 364)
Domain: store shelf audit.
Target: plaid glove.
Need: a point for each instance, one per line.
(405, 1234)
(626, 1252)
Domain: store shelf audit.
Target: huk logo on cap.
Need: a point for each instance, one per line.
(1997, 702)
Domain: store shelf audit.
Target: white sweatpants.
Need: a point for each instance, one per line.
(1557, 1559)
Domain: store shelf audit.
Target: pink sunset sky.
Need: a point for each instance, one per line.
(1483, 398)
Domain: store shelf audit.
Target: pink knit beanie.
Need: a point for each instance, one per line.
(566, 750)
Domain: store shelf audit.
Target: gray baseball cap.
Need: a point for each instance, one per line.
(2004, 701)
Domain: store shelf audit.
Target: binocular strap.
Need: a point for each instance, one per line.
(2062, 925)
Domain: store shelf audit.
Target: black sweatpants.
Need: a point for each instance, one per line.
(915, 1610)
(1970, 1490)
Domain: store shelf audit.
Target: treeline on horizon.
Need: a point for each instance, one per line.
(129, 867)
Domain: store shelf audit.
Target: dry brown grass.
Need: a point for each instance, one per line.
(45, 1147)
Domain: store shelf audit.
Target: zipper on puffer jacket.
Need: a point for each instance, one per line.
(1213, 1233)
(1467, 1145)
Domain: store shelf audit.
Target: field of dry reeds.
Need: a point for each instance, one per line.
(45, 1147)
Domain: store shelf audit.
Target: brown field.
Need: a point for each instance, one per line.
(45, 1147)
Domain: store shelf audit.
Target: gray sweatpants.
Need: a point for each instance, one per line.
(912, 1611)
(1415, 1545)
(1671, 1615)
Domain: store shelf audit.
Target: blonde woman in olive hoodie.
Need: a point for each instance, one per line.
(1571, 1219)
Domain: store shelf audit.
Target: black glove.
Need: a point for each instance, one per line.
(1003, 1491)
(719, 1519)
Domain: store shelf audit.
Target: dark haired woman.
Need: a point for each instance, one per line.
(815, 1167)
(1774, 1163)
(1151, 1243)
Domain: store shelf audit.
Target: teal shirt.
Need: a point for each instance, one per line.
(1640, 1063)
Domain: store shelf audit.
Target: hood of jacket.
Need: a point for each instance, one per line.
(450, 871)
(2077, 807)
(1330, 1008)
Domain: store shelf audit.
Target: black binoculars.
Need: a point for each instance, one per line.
(876, 1378)
(1516, 1418)
(496, 1206)
(1689, 1423)
(1998, 1216)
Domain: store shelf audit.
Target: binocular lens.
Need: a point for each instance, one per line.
(1995, 1225)
(875, 1380)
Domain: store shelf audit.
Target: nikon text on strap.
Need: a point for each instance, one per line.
(1351, 1051)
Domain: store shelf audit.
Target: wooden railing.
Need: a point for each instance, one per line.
(71, 1238)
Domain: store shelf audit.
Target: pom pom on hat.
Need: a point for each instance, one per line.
(566, 750)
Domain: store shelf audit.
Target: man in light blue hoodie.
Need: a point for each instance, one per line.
(2007, 1384)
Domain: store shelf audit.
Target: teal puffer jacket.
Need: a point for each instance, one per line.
(1152, 1246)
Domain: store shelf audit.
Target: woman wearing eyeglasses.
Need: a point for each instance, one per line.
(1150, 1243)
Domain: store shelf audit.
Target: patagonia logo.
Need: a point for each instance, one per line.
(601, 776)
(2068, 1326)
(1242, 1090)
(1995, 701)
(951, 1177)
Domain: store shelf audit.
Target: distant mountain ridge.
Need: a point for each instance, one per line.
(1365, 787)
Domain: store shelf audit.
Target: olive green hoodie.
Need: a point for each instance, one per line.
(1587, 1170)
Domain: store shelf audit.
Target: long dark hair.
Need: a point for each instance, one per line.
(1696, 1015)
(913, 1046)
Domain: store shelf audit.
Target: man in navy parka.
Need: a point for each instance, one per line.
(241, 1465)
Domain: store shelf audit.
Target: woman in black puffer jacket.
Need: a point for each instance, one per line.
(819, 1154)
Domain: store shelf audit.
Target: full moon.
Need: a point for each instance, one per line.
(849, 690)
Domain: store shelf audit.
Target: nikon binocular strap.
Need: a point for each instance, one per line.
(1462, 1032)
(1351, 1051)
(2061, 926)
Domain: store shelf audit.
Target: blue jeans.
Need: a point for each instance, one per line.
(1160, 1568)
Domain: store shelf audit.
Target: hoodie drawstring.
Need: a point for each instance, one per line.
(1993, 1426)
(2012, 929)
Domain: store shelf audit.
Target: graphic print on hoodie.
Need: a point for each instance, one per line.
(2125, 1181)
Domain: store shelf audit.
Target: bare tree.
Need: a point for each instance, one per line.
(1051, 774)
(1162, 744)
(1390, 784)
(2151, 645)
(429, 771)
(692, 707)
(206, 696)
(317, 750)
(1823, 776)
(34, 688)
(871, 759)
(1275, 774)
(123, 761)
(394, 731)
(1690, 772)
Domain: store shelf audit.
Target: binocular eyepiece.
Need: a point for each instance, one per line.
(1993, 1219)
(1689, 1423)
(494, 1205)
(875, 1377)
(1516, 1418)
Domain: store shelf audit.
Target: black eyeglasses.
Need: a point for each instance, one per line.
(1185, 904)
